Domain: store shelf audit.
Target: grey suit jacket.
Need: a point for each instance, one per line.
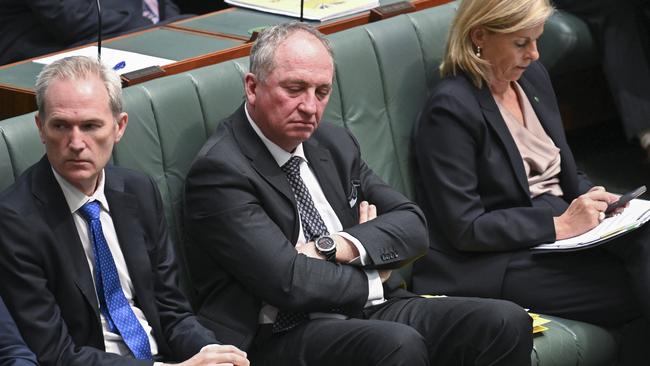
(46, 281)
(242, 222)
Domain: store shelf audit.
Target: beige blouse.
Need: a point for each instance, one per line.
(540, 155)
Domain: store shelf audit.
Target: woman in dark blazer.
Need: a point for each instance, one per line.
(497, 177)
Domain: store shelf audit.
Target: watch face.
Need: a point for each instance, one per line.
(325, 243)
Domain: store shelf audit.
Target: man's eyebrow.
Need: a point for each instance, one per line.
(293, 81)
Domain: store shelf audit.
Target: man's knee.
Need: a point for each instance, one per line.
(401, 345)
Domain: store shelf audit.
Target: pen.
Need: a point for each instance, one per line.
(119, 66)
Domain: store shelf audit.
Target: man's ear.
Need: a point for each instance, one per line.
(40, 125)
(250, 87)
(477, 34)
(122, 121)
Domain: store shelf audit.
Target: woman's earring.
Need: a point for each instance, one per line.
(478, 51)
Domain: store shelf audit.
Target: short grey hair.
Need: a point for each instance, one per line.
(262, 57)
(79, 68)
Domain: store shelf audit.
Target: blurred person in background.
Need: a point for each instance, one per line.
(30, 28)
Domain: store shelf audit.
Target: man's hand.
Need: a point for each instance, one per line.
(384, 274)
(345, 250)
(367, 212)
(217, 355)
(309, 249)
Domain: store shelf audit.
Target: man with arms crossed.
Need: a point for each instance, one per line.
(87, 268)
(278, 214)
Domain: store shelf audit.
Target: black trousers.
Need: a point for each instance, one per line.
(620, 28)
(408, 331)
(607, 285)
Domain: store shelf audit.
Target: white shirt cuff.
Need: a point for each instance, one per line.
(362, 259)
(375, 288)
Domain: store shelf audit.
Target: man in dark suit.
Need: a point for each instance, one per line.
(284, 216)
(30, 28)
(13, 351)
(87, 267)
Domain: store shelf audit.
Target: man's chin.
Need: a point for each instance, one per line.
(79, 177)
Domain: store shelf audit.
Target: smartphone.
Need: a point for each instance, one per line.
(624, 199)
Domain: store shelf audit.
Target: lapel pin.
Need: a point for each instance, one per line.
(536, 99)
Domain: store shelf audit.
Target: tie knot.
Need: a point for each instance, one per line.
(292, 166)
(90, 210)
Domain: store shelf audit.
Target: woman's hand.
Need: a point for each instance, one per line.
(584, 213)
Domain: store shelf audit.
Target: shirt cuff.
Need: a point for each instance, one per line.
(362, 259)
(375, 288)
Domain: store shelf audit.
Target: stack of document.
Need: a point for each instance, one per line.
(538, 323)
(312, 9)
(634, 216)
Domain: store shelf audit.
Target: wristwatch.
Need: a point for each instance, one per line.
(326, 245)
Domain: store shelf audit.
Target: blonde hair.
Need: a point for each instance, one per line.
(498, 16)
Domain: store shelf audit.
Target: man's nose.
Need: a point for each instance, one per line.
(309, 103)
(76, 141)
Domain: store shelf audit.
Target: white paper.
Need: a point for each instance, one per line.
(637, 214)
(321, 10)
(111, 57)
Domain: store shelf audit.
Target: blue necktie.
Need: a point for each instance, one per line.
(114, 305)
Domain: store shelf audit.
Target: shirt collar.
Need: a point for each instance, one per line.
(280, 155)
(75, 198)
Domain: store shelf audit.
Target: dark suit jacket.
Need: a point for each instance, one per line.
(13, 351)
(46, 281)
(29, 28)
(473, 186)
(243, 223)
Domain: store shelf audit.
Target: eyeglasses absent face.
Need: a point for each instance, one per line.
(79, 130)
(288, 105)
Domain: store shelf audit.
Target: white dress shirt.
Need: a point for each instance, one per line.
(332, 222)
(75, 199)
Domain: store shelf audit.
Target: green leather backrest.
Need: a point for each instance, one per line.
(383, 73)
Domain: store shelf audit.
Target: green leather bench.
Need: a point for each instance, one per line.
(383, 73)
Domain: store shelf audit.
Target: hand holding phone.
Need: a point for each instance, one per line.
(624, 199)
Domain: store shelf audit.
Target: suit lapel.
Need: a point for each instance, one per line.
(329, 179)
(125, 216)
(542, 113)
(47, 190)
(262, 161)
(552, 124)
(494, 118)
